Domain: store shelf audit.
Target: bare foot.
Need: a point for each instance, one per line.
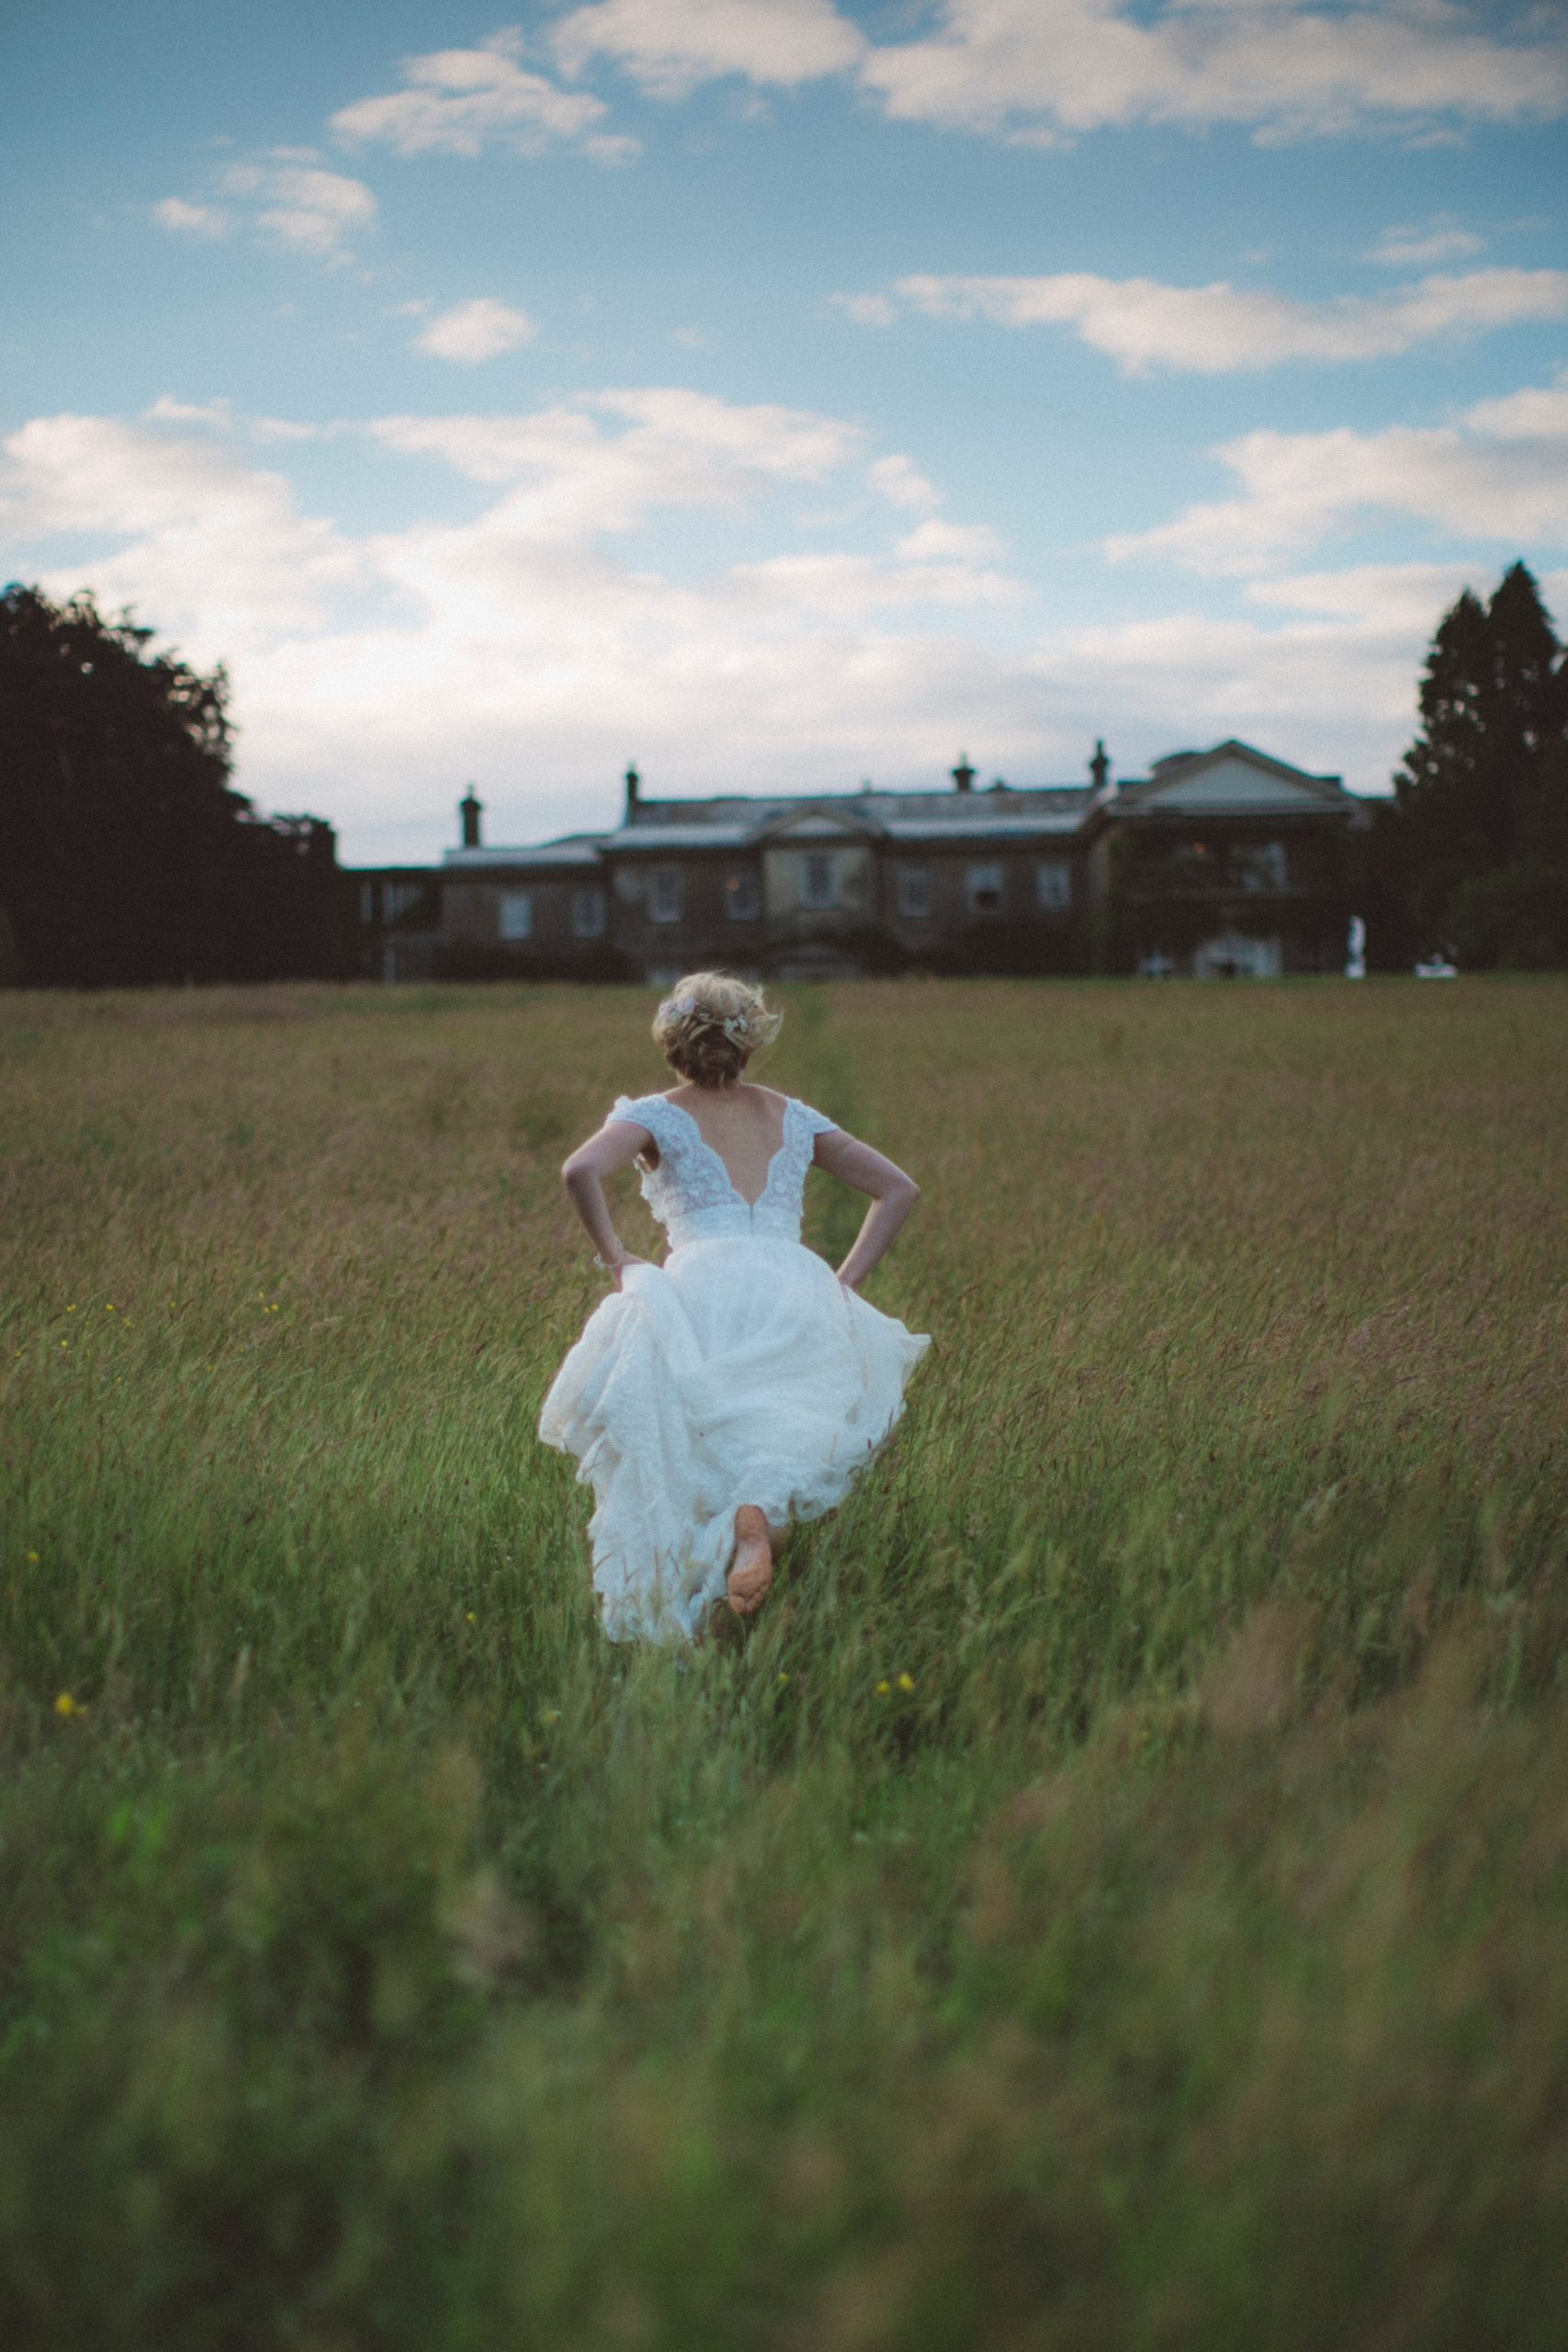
(752, 1570)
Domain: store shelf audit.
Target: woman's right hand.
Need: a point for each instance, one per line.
(619, 1268)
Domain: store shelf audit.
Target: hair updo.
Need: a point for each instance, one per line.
(709, 1026)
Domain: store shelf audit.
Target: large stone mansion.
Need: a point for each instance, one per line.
(1219, 862)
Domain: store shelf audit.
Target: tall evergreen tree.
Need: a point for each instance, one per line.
(1523, 708)
(1483, 789)
(125, 856)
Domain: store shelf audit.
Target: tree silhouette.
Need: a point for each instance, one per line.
(1473, 852)
(125, 856)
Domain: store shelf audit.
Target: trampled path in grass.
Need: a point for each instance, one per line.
(1117, 1896)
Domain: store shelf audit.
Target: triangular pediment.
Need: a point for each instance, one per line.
(1234, 778)
(817, 820)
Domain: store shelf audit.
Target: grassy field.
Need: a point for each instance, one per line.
(1118, 1896)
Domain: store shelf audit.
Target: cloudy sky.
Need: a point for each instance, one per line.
(783, 393)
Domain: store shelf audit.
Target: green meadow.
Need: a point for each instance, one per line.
(1117, 1896)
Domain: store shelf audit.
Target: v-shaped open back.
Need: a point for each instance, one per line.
(714, 1153)
(692, 1192)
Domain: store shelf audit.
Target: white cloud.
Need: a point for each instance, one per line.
(899, 479)
(460, 101)
(608, 461)
(369, 672)
(1333, 689)
(1390, 599)
(286, 196)
(213, 550)
(670, 46)
(840, 588)
(182, 219)
(935, 542)
(297, 203)
(1033, 71)
(867, 310)
(1288, 68)
(936, 563)
(1540, 412)
(218, 414)
(1037, 71)
(1499, 475)
(1217, 330)
(522, 646)
(471, 332)
(1419, 248)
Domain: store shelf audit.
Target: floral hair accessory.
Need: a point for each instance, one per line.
(735, 1025)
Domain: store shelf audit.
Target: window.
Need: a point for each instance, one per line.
(517, 914)
(367, 904)
(817, 879)
(666, 894)
(588, 914)
(1053, 885)
(400, 899)
(985, 888)
(741, 897)
(914, 893)
(1258, 866)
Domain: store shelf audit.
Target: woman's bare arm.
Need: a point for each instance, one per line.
(893, 1196)
(616, 1145)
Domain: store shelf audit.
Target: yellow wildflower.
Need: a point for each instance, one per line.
(906, 1683)
(33, 1558)
(552, 1714)
(784, 1678)
(471, 1618)
(66, 1705)
(883, 1689)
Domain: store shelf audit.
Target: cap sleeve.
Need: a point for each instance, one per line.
(815, 1122)
(634, 1111)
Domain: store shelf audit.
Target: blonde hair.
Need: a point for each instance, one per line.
(709, 1026)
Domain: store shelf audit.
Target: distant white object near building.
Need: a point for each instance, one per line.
(1436, 968)
(1356, 950)
(1236, 956)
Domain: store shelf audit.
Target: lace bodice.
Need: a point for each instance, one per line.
(690, 1192)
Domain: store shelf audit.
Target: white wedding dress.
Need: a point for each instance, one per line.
(740, 1370)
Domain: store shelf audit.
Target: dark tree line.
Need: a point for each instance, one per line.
(1471, 854)
(125, 856)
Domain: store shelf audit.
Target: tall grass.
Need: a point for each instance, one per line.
(1116, 1897)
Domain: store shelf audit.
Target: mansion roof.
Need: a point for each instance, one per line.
(1232, 778)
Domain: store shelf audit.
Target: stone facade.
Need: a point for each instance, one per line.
(1225, 861)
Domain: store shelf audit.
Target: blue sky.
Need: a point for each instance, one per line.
(778, 393)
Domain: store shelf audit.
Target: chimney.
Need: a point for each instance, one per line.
(633, 787)
(963, 775)
(468, 808)
(1100, 767)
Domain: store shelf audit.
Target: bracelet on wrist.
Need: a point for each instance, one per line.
(607, 1265)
